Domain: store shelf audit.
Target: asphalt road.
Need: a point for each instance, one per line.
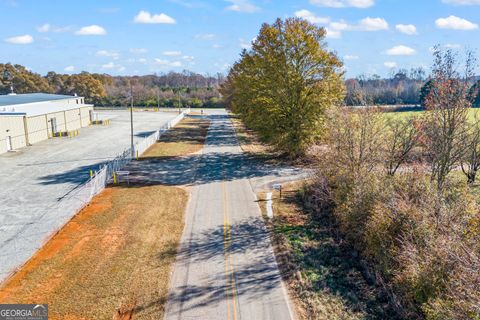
(36, 181)
(226, 267)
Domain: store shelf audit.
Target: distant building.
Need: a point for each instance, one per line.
(26, 119)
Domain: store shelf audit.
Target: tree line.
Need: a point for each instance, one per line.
(401, 88)
(175, 89)
(172, 89)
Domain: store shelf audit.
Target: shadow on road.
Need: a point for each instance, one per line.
(253, 278)
(194, 169)
(197, 169)
(144, 134)
(74, 177)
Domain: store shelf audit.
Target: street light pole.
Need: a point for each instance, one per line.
(131, 120)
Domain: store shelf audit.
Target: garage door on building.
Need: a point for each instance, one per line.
(37, 129)
(72, 118)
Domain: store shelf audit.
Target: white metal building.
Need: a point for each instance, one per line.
(26, 119)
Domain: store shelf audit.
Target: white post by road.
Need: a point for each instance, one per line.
(269, 205)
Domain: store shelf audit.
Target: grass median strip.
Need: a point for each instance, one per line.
(248, 140)
(188, 137)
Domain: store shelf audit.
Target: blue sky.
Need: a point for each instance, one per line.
(147, 36)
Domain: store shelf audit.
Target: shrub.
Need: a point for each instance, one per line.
(423, 242)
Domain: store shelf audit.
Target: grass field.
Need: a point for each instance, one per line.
(113, 260)
(188, 137)
(409, 114)
(248, 140)
(320, 270)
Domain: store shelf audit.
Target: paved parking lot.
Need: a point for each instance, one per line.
(34, 180)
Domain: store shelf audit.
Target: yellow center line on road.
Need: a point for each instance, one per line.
(229, 273)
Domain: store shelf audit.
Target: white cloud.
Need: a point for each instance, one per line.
(333, 34)
(367, 24)
(401, 50)
(206, 36)
(176, 64)
(161, 61)
(172, 53)
(340, 26)
(44, 28)
(109, 65)
(453, 46)
(242, 6)
(462, 2)
(350, 57)
(25, 39)
(343, 3)
(455, 23)
(138, 50)
(409, 29)
(189, 4)
(372, 24)
(147, 17)
(168, 63)
(93, 30)
(69, 69)
(190, 60)
(390, 64)
(110, 54)
(142, 60)
(245, 44)
(446, 46)
(311, 17)
(216, 46)
(113, 66)
(222, 66)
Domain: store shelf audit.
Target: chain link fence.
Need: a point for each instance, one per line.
(21, 246)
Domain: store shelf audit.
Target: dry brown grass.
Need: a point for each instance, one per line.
(251, 143)
(113, 259)
(317, 266)
(248, 140)
(186, 138)
(195, 113)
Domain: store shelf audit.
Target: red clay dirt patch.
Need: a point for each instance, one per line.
(112, 260)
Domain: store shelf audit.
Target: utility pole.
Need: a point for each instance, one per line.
(131, 119)
(179, 102)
